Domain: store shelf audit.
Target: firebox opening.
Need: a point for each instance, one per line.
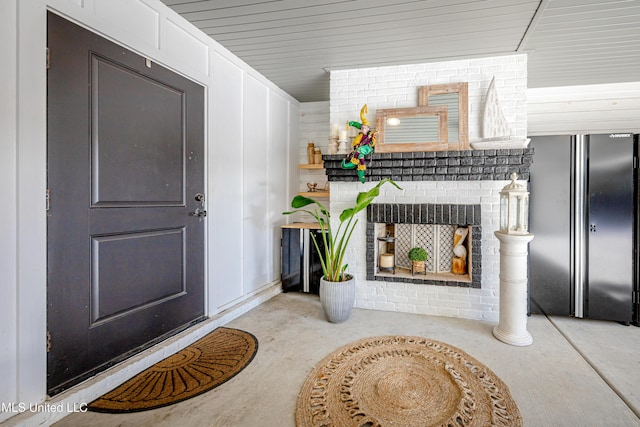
(394, 241)
(450, 234)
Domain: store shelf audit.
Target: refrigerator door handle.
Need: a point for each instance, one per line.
(305, 242)
(579, 243)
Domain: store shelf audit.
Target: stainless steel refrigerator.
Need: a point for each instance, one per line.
(584, 215)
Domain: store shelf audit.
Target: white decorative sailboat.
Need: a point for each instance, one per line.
(496, 131)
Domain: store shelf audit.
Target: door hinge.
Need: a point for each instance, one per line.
(48, 341)
(48, 59)
(47, 199)
(636, 297)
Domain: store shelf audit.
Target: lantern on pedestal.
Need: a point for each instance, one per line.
(514, 208)
(514, 239)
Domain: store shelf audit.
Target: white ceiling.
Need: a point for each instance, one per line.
(296, 43)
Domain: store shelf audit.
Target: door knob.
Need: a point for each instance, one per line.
(200, 211)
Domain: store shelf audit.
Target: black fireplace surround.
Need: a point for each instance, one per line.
(426, 213)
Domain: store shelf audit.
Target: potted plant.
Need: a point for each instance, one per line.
(418, 256)
(337, 288)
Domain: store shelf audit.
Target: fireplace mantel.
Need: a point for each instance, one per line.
(466, 165)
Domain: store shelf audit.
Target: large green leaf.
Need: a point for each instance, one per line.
(301, 201)
(364, 199)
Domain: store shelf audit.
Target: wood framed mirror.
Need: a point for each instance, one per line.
(456, 97)
(412, 129)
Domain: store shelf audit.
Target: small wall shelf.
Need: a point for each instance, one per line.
(321, 194)
(315, 194)
(312, 166)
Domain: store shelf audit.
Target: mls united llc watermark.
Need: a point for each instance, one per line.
(18, 408)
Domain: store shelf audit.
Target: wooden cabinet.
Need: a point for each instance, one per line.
(301, 269)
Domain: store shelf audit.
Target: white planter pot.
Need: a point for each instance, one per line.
(337, 299)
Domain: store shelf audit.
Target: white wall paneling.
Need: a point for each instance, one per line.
(225, 181)
(8, 194)
(255, 192)
(30, 208)
(134, 17)
(588, 109)
(179, 43)
(240, 190)
(278, 173)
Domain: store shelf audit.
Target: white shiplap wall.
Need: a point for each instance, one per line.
(314, 127)
(588, 109)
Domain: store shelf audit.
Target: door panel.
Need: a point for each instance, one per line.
(610, 226)
(154, 261)
(136, 170)
(125, 161)
(550, 222)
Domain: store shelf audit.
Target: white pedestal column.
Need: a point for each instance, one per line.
(512, 328)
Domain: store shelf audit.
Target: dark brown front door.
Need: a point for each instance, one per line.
(125, 166)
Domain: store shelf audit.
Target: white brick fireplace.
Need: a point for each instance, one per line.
(473, 178)
(440, 300)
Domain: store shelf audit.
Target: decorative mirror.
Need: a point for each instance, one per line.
(412, 129)
(456, 97)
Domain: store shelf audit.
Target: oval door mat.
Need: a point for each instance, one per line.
(198, 368)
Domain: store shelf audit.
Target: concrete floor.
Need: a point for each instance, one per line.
(576, 373)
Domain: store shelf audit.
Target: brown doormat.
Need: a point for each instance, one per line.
(404, 381)
(198, 368)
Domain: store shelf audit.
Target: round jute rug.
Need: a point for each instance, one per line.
(198, 368)
(404, 381)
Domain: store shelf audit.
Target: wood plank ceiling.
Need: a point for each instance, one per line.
(296, 43)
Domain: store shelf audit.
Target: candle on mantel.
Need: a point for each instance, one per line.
(343, 135)
(334, 130)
